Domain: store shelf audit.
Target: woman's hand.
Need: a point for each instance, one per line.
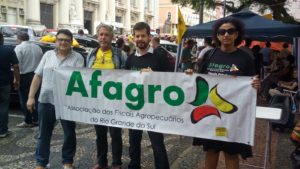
(189, 71)
(148, 69)
(256, 83)
(297, 126)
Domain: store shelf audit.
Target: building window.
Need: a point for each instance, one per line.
(148, 5)
(133, 3)
(88, 21)
(119, 19)
(120, 2)
(47, 15)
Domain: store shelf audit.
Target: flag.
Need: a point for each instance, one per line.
(268, 16)
(181, 28)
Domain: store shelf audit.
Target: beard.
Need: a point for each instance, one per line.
(104, 44)
(142, 45)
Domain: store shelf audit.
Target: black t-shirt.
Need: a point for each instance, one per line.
(157, 61)
(8, 58)
(237, 63)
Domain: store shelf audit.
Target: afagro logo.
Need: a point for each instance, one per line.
(202, 93)
(124, 92)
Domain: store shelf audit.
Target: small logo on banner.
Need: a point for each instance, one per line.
(202, 93)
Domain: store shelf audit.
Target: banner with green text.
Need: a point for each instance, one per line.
(213, 107)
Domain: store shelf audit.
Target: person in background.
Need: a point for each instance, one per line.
(8, 59)
(187, 57)
(258, 60)
(155, 42)
(80, 32)
(267, 53)
(120, 43)
(227, 34)
(285, 51)
(126, 49)
(29, 56)
(208, 46)
(61, 56)
(146, 59)
(107, 57)
(247, 48)
(288, 85)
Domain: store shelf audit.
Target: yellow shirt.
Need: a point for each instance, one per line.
(103, 60)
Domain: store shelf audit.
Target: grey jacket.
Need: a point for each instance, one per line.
(118, 56)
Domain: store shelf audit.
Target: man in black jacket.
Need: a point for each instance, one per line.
(146, 59)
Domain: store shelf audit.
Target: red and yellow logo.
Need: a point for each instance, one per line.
(202, 93)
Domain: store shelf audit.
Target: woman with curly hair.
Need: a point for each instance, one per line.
(226, 60)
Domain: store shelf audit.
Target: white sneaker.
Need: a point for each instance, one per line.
(25, 125)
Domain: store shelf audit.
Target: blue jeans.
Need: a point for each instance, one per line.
(102, 145)
(25, 82)
(4, 107)
(46, 124)
(158, 147)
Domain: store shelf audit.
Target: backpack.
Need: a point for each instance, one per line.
(284, 103)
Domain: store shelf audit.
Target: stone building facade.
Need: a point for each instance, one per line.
(168, 16)
(75, 14)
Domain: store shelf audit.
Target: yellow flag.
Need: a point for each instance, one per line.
(268, 16)
(181, 28)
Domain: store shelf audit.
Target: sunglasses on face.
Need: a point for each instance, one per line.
(229, 31)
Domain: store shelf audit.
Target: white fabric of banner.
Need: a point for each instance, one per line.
(213, 107)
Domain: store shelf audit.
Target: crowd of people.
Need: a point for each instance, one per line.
(34, 79)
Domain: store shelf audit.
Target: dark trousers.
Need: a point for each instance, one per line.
(4, 108)
(25, 82)
(47, 121)
(158, 147)
(102, 145)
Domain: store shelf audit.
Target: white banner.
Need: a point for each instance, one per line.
(214, 107)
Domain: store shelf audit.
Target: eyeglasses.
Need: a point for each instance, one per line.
(64, 40)
(230, 31)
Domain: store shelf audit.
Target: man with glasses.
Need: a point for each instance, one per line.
(107, 57)
(61, 56)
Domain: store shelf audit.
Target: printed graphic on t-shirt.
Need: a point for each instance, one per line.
(237, 63)
(218, 68)
(234, 68)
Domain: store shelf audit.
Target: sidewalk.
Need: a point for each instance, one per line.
(18, 149)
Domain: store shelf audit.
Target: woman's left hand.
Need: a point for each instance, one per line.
(189, 71)
(256, 83)
(148, 69)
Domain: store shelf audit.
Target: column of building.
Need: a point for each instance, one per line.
(64, 12)
(156, 13)
(80, 11)
(142, 10)
(127, 25)
(112, 11)
(102, 11)
(33, 12)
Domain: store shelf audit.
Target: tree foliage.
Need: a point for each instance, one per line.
(277, 7)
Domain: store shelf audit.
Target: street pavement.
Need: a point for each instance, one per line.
(18, 149)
